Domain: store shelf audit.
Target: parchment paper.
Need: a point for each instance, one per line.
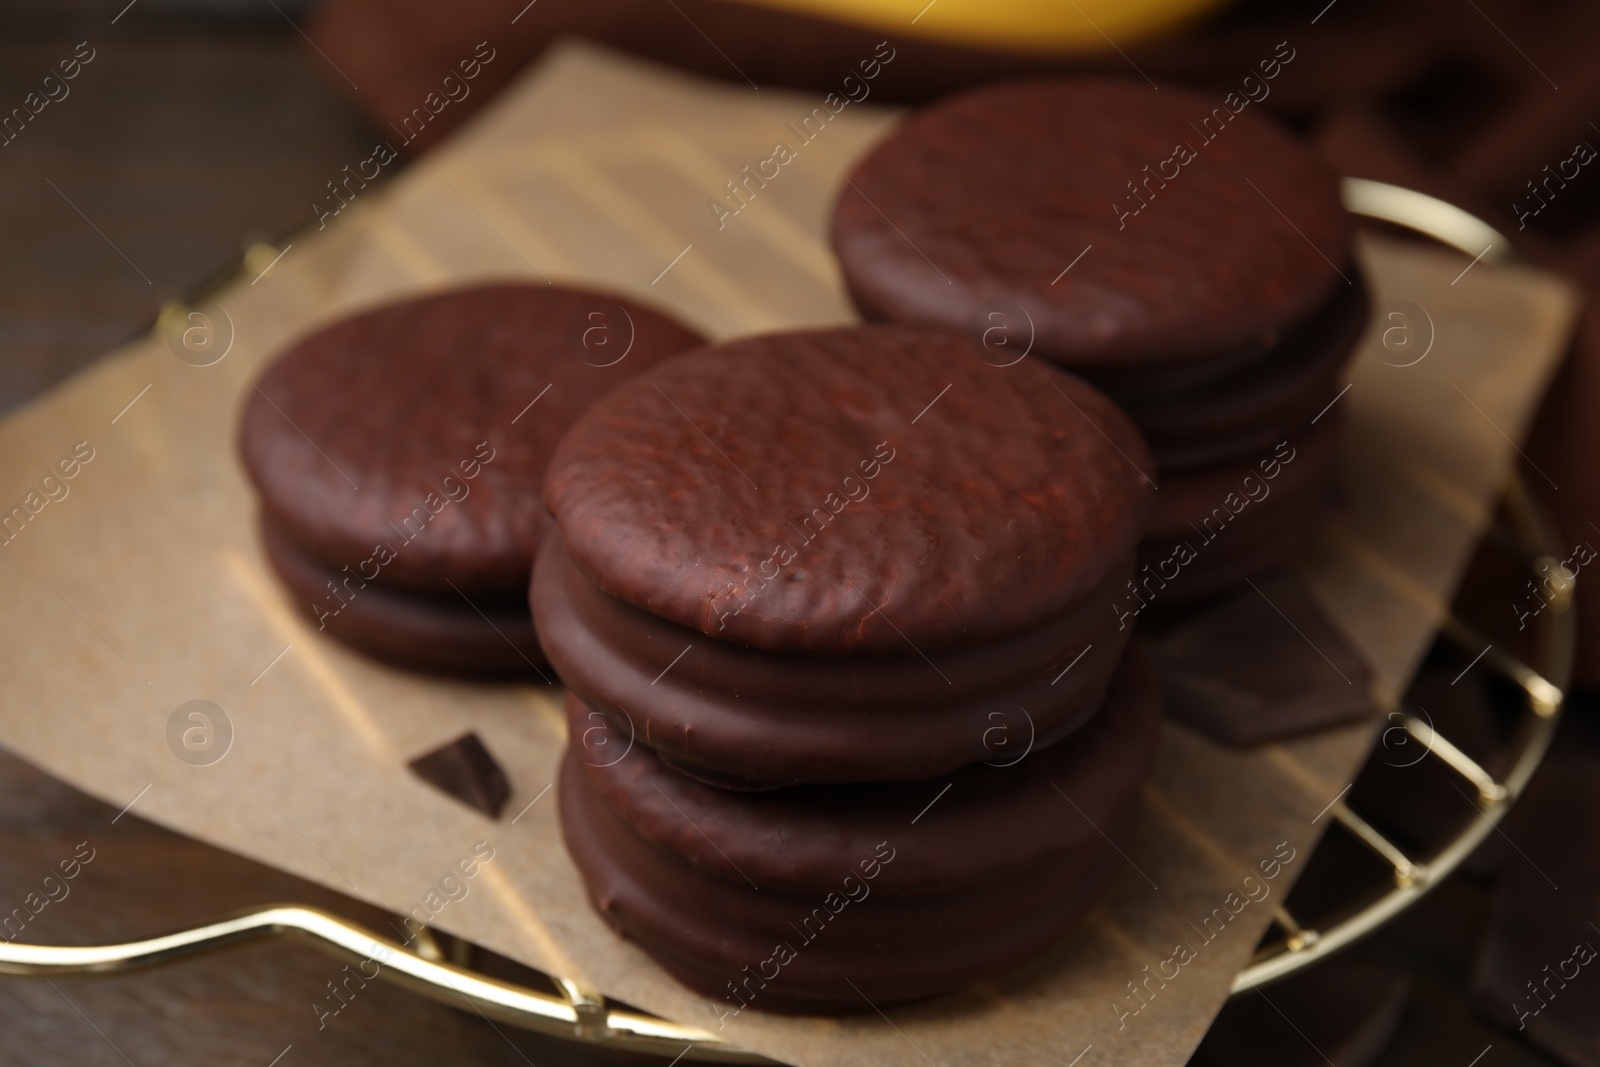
(143, 587)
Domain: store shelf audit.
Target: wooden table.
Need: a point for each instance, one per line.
(177, 143)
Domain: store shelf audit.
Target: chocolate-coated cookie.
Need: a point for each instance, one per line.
(419, 630)
(1127, 226)
(1217, 526)
(424, 426)
(750, 717)
(834, 899)
(792, 952)
(1244, 412)
(981, 822)
(863, 490)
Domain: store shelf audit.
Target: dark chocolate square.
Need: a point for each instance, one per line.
(465, 769)
(1264, 663)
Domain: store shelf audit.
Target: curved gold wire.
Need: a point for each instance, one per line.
(1306, 944)
(1544, 688)
(575, 1014)
(582, 1015)
(1427, 215)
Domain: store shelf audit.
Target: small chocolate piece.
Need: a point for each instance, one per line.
(465, 769)
(1264, 664)
(1344, 1011)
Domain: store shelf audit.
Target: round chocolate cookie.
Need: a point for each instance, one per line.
(399, 455)
(773, 901)
(1216, 527)
(987, 824)
(866, 490)
(418, 630)
(749, 718)
(1194, 228)
(426, 425)
(1245, 412)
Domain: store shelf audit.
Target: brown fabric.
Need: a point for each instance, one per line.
(1535, 971)
(1344, 1012)
(396, 52)
(1563, 446)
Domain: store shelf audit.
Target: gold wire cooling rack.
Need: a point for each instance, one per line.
(1301, 944)
(1528, 536)
(570, 1011)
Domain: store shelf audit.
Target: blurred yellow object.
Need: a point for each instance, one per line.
(1042, 26)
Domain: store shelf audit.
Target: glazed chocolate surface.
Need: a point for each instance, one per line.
(981, 822)
(409, 425)
(409, 628)
(1187, 498)
(1249, 409)
(989, 195)
(1233, 534)
(891, 949)
(855, 490)
(754, 718)
(710, 932)
(1253, 546)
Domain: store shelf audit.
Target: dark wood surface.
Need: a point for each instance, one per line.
(179, 142)
(245, 1006)
(182, 140)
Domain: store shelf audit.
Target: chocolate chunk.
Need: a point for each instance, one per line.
(1264, 664)
(464, 769)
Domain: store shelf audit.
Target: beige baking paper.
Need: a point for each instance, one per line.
(144, 587)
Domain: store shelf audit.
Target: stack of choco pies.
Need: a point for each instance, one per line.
(398, 455)
(1183, 253)
(852, 720)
